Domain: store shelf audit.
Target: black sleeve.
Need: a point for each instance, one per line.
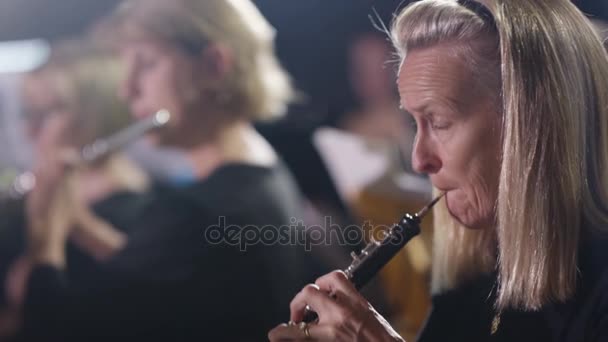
(599, 326)
(602, 330)
(166, 285)
(115, 309)
(137, 293)
(47, 290)
(453, 321)
(462, 314)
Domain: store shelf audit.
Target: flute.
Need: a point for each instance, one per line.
(95, 151)
(378, 253)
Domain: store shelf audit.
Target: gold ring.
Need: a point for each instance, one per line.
(307, 332)
(304, 327)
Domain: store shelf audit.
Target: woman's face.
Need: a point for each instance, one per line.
(458, 139)
(160, 76)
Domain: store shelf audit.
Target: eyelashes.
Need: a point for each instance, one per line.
(440, 126)
(435, 122)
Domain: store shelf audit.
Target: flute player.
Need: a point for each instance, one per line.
(510, 98)
(72, 99)
(211, 64)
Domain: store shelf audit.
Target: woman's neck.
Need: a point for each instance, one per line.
(235, 143)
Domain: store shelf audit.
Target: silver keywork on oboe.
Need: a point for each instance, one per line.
(377, 254)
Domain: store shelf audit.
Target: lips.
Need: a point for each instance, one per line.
(141, 113)
(442, 184)
(442, 187)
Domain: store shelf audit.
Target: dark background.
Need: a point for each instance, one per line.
(312, 40)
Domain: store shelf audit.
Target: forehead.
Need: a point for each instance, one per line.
(435, 74)
(134, 36)
(143, 47)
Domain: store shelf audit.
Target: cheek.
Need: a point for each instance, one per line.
(181, 87)
(471, 168)
(162, 90)
(473, 197)
(471, 152)
(162, 83)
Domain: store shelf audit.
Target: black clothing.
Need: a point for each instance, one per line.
(118, 209)
(466, 313)
(175, 281)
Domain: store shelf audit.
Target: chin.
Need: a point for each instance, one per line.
(466, 218)
(168, 136)
(470, 224)
(172, 141)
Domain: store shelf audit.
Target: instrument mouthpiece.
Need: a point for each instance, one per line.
(428, 207)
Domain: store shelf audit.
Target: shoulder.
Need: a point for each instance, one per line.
(243, 188)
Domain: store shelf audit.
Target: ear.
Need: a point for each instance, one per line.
(216, 61)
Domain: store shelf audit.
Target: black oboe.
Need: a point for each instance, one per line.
(378, 253)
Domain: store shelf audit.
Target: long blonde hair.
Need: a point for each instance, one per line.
(553, 81)
(258, 87)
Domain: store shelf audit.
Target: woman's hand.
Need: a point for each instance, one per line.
(49, 204)
(94, 235)
(344, 315)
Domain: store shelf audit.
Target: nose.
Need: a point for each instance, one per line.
(424, 156)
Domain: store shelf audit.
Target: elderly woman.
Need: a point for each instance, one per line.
(510, 100)
(195, 266)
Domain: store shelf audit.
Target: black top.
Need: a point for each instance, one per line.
(174, 281)
(467, 313)
(119, 209)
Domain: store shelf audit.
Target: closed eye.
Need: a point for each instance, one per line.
(437, 122)
(440, 126)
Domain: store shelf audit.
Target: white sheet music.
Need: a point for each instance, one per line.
(356, 163)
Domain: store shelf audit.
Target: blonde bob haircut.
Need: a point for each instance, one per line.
(257, 87)
(548, 69)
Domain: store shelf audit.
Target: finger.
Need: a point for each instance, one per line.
(283, 332)
(316, 332)
(322, 332)
(70, 157)
(53, 132)
(48, 182)
(337, 282)
(48, 179)
(311, 296)
(55, 167)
